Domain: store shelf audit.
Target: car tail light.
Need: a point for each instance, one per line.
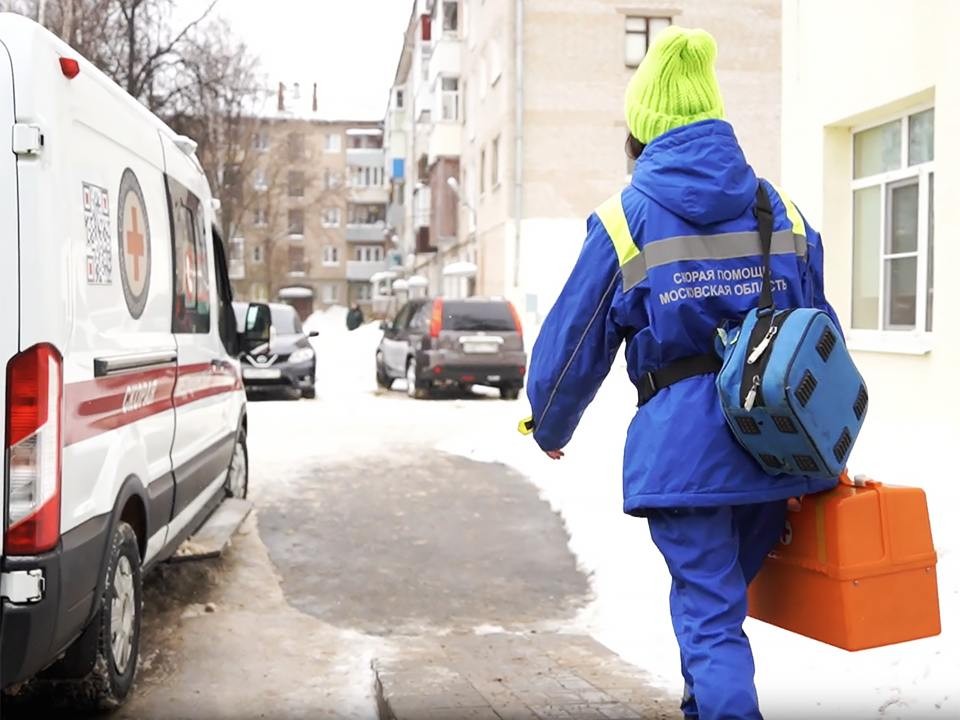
(436, 319)
(516, 318)
(34, 392)
(523, 371)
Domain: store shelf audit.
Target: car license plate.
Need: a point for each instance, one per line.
(481, 347)
(261, 374)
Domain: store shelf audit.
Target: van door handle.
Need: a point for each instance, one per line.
(116, 364)
(219, 365)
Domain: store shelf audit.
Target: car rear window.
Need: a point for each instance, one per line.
(489, 316)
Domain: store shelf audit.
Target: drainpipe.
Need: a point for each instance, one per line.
(518, 132)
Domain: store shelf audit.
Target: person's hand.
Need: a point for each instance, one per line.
(795, 504)
(554, 454)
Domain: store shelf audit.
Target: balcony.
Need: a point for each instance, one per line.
(366, 233)
(358, 270)
(365, 157)
(444, 58)
(369, 194)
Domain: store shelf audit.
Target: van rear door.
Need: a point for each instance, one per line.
(9, 246)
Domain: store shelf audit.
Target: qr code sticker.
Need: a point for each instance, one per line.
(96, 220)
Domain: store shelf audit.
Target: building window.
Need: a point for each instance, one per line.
(260, 181)
(333, 143)
(398, 99)
(363, 292)
(295, 222)
(257, 254)
(369, 254)
(331, 179)
(261, 141)
(296, 149)
(640, 32)
(331, 217)
(495, 163)
(259, 216)
(449, 98)
(331, 255)
(295, 183)
(329, 293)
(366, 214)
(450, 16)
(295, 259)
(237, 261)
(893, 225)
(364, 177)
(483, 171)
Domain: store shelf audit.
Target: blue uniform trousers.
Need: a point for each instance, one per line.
(713, 554)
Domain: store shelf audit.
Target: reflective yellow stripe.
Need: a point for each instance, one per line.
(526, 426)
(792, 213)
(615, 223)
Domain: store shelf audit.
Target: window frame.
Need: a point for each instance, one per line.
(193, 321)
(301, 270)
(291, 230)
(495, 163)
(330, 255)
(645, 32)
(884, 337)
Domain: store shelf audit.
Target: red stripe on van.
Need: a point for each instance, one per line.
(92, 407)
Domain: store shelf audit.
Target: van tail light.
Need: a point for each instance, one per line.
(516, 318)
(33, 457)
(436, 319)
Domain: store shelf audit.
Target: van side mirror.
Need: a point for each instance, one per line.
(256, 327)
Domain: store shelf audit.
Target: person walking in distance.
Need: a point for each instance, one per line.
(668, 261)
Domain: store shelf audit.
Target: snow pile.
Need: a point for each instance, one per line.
(796, 677)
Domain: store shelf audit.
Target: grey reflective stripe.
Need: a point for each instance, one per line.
(726, 246)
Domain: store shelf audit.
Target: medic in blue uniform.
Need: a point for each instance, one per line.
(666, 262)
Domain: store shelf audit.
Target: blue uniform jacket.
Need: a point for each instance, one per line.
(694, 264)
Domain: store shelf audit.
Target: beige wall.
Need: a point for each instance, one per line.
(908, 56)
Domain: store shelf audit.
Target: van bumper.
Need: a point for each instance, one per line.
(506, 370)
(33, 635)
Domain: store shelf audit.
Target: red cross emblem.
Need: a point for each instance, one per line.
(135, 243)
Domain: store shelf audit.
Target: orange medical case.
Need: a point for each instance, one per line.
(855, 568)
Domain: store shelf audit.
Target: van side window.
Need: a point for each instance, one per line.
(191, 266)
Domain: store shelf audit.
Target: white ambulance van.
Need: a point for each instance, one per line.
(123, 407)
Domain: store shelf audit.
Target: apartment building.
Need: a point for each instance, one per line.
(313, 231)
(867, 156)
(521, 104)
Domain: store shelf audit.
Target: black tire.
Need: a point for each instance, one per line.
(309, 393)
(416, 388)
(237, 483)
(383, 380)
(510, 392)
(110, 681)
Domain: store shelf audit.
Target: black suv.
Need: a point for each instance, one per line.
(287, 362)
(438, 342)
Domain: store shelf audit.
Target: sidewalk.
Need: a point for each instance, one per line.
(514, 676)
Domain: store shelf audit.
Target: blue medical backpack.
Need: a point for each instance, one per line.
(788, 386)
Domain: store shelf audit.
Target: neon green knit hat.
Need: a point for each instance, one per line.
(675, 85)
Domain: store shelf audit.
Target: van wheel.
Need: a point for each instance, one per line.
(118, 623)
(415, 388)
(509, 392)
(238, 474)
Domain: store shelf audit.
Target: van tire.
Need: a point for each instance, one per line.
(238, 474)
(110, 681)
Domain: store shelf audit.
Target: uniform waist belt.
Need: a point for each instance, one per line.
(654, 381)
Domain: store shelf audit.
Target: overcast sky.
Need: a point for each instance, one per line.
(349, 47)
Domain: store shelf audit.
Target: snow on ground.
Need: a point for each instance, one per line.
(796, 677)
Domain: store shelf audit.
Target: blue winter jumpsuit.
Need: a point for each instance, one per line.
(666, 262)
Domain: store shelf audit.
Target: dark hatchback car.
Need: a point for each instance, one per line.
(435, 343)
(287, 363)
